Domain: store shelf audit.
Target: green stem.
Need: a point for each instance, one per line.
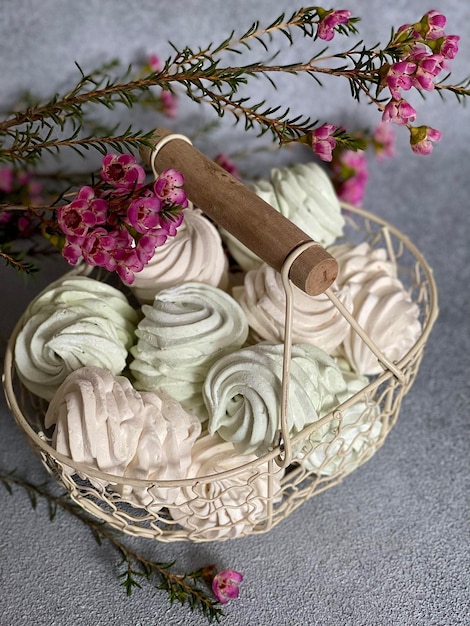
(178, 586)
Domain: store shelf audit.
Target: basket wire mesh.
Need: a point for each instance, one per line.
(253, 497)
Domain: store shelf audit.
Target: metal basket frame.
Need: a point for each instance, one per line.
(98, 492)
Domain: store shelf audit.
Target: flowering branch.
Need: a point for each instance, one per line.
(183, 588)
(32, 146)
(413, 57)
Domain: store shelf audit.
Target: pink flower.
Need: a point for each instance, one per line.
(5, 216)
(168, 179)
(120, 229)
(84, 212)
(170, 223)
(128, 262)
(125, 269)
(88, 196)
(323, 142)
(25, 224)
(105, 248)
(399, 112)
(168, 187)
(144, 213)
(408, 29)
(426, 70)
(328, 23)
(98, 248)
(227, 164)
(169, 104)
(399, 77)
(34, 191)
(149, 242)
(421, 138)
(132, 259)
(6, 179)
(155, 63)
(72, 251)
(122, 171)
(353, 189)
(449, 46)
(225, 585)
(383, 141)
(433, 25)
(350, 175)
(354, 160)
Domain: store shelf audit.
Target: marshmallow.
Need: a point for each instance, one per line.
(195, 253)
(242, 392)
(188, 328)
(76, 322)
(103, 422)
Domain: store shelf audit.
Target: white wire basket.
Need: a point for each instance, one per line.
(253, 497)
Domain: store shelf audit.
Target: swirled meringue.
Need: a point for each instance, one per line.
(226, 507)
(103, 422)
(188, 328)
(194, 254)
(314, 318)
(357, 263)
(390, 318)
(381, 306)
(242, 393)
(305, 195)
(75, 322)
(349, 438)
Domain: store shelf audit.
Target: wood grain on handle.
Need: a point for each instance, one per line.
(245, 215)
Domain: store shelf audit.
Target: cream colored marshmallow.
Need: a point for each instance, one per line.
(194, 254)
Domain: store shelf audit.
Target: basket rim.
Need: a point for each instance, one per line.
(267, 458)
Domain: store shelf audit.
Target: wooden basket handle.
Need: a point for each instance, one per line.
(237, 209)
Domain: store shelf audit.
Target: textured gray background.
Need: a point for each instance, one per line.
(390, 546)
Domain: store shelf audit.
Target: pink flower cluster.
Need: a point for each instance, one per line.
(426, 51)
(120, 222)
(349, 168)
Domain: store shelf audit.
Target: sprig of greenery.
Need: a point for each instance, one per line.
(461, 90)
(34, 130)
(101, 87)
(185, 589)
(17, 259)
(276, 121)
(32, 145)
(200, 73)
(203, 76)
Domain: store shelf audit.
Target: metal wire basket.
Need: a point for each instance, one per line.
(252, 497)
